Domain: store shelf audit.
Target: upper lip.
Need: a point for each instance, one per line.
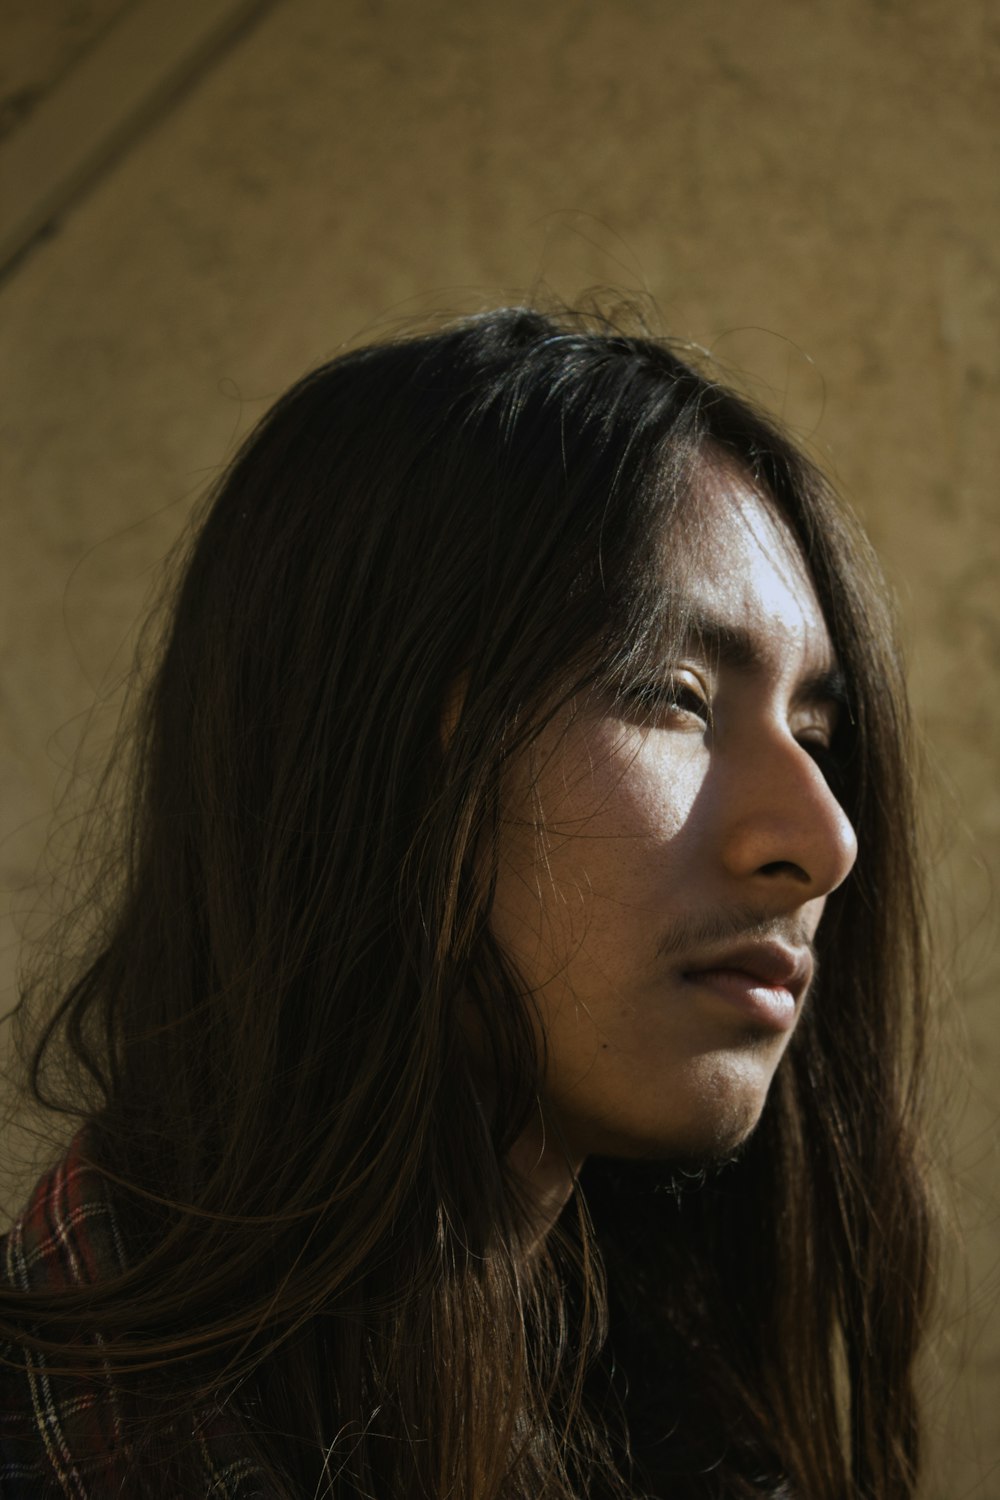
(772, 963)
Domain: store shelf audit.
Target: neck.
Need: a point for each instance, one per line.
(548, 1172)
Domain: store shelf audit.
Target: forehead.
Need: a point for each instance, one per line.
(745, 576)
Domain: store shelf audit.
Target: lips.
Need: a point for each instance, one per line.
(765, 980)
(770, 964)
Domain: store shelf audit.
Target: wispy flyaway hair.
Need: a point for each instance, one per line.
(265, 1044)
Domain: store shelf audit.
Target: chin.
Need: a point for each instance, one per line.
(698, 1146)
(713, 1147)
(712, 1115)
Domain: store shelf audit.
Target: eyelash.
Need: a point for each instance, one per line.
(674, 697)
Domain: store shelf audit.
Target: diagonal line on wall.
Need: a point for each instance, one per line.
(143, 65)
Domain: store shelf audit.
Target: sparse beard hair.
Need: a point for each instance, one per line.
(687, 1169)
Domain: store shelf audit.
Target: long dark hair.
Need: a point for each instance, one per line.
(265, 1041)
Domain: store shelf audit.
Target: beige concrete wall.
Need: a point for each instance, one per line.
(807, 187)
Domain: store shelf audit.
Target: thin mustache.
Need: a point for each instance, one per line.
(743, 923)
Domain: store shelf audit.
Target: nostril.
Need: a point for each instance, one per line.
(785, 869)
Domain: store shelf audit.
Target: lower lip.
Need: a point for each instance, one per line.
(768, 1005)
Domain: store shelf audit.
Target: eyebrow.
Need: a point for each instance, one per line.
(733, 646)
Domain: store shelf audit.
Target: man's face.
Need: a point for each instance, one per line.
(664, 917)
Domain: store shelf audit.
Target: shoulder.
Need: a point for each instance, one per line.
(67, 1435)
(57, 1435)
(66, 1236)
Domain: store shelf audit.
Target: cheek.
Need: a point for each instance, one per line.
(594, 843)
(621, 799)
(644, 787)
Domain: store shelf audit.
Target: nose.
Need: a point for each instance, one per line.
(784, 825)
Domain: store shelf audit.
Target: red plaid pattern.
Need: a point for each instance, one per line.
(63, 1437)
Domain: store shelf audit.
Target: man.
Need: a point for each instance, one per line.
(495, 1070)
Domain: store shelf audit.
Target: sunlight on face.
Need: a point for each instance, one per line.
(663, 920)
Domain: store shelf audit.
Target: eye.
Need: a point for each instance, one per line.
(827, 758)
(819, 750)
(669, 699)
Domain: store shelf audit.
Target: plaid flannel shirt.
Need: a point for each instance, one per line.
(63, 1437)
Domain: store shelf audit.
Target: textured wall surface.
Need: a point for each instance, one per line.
(808, 189)
(41, 45)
